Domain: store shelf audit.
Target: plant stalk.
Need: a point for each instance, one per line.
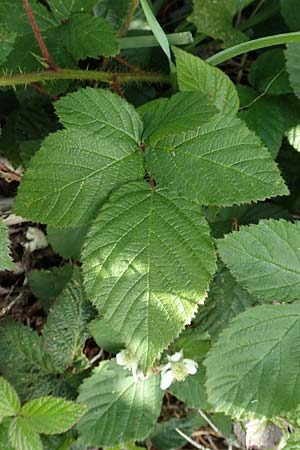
(93, 75)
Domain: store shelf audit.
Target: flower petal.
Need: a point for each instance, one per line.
(120, 358)
(191, 366)
(176, 357)
(166, 367)
(167, 379)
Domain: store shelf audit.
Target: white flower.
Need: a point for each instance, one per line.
(126, 359)
(178, 368)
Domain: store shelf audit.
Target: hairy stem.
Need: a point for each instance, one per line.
(73, 74)
(249, 46)
(37, 33)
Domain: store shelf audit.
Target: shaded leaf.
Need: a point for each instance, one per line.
(66, 328)
(123, 408)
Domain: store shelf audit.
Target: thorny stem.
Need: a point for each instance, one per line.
(37, 33)
(74, 74)
(134, 5)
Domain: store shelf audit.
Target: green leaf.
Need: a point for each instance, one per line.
(182, 112)
(89, 36)
(214, 19)
(223, 152)
(7, 39)
(100, 112)
(4, 440)
(14, 17)
(66, 328)
(265, 259)
(5, 260)
(52, 415)
(67, 242)
(10, 404)
(268, 73)
(293, 442)
(147, 263)
(290, 13)
(24, 361)
(226, 299)
(194, 74)
(122, 408)
(48, 284)
(115, 12)
(254, 366)
(104, 336)
(76, 169)
(23, 437)
(293, 66)
(62, 9)
(265, 119)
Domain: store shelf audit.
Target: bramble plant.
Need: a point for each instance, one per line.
(168, 189)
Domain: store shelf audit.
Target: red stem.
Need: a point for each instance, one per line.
(38, 36)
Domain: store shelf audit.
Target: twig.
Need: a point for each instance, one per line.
(42, 91)
(96, 357)
(190, 440)
(127, 64)
(8, 175)
(37, 33)
(134, 5)
(210, 423)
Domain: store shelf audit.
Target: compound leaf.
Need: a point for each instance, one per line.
(52, 415)
(5, 260)
(22, 436)
(120, 408)
(265, 259)
(66, 329)
(260, 344)
(219, 163)
(148, 260)
(75, 170)
(194, 74)
(10, 404)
